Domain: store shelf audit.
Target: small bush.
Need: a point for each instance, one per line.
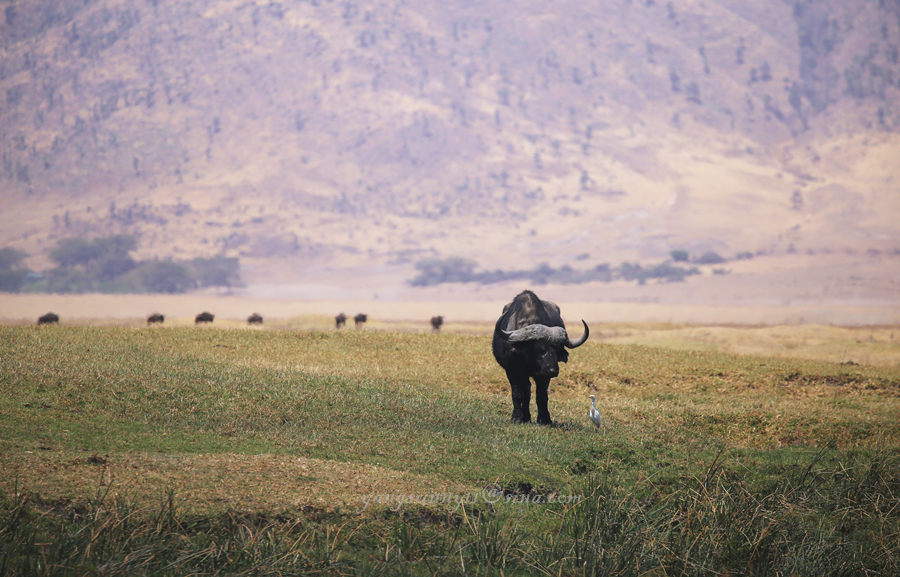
(12, 273)
(215, 271)
(679, 255)
(66, 280)
(710, 258)
(11, 281)
(435, 271)
(11, 258)
(161, 276)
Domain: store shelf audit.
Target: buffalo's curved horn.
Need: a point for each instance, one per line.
(578, 342)
(536, 333)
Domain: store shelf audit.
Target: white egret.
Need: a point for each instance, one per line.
(594, 413)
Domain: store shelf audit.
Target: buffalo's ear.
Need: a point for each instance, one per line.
(563, 355)
(498, 329)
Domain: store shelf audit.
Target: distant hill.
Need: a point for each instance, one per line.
(356, 133)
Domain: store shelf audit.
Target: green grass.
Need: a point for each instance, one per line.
(207, 451)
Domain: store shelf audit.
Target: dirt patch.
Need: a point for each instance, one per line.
(210, 482)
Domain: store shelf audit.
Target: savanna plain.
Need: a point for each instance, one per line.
(300, 449)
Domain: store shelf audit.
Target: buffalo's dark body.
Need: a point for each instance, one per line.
(360, 320)
(155, 318)
(536, 359)
(204, 317)
(255, 319)
(437, 322)
(340, 320)
(48, 319)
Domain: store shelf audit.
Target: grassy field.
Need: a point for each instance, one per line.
(218, 451)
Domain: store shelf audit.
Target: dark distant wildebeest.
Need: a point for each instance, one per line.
(529, 342)
(49, 319)
(436, 323)
(255, 319)
(340, 321)
(155, 318)
(204, 317)
(360, 320)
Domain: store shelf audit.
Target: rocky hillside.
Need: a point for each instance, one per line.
(358, 133)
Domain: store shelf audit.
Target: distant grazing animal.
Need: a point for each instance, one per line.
(436, 323)
(204, 317)
(255, 319)
(340, 321)
(594, 414)
(529, 342)
(155, 318)
(360, 320)
(49, 319)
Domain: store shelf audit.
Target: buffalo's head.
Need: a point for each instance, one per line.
(546, 346)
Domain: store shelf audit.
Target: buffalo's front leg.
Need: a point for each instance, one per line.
(520, 387)
(541, 385)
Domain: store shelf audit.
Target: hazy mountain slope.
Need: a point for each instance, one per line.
(370, 132)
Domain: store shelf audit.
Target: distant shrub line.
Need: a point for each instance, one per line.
(437, 271)
(104, 265)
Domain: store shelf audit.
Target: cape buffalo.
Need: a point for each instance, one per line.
(204, 317)
(360, 320)
(340, 320)
(436, 323)
(255, 319)
(529, 342)
(155, 318)
(49, 319)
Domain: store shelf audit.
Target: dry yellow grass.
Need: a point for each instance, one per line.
(877, 346)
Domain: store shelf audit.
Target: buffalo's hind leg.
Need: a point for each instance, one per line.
(520, 387)
(541, 386)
